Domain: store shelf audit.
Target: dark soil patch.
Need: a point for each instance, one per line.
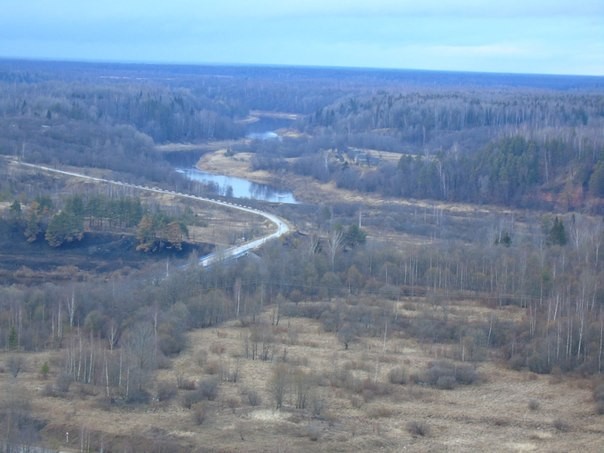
(96, 253)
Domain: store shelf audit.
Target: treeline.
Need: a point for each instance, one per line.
(161, 112)
(437, 119)
(517, 148)
(105, 126)
(63, 221)
(346, 283)
(513, 171)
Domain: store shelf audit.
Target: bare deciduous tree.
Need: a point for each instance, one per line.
(334, 243)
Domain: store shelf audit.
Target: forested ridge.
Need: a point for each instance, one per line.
(529, 149)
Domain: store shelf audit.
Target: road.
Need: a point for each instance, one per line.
(231, 252)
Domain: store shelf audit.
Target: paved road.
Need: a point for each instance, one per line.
(231, 252)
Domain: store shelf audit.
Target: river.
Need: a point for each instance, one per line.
(229, 186)
(233, 187)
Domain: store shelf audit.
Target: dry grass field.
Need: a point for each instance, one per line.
(350, 402)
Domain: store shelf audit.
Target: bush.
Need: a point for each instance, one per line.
(200, 413)
(381, 411)
(166, 391)
(318, 405)
(446, 382)
(173, 343)
(48, 390)
(189, 399)
(15, 364)
(208, 388)
(398, 376)
(314, 432)
(63, 382)
(185, 384)
(213, 367)
(599, 399)
(138, 397)
(44, 370)
(370, 389)
(561, 425)
(202, 358)
(253, 398)
(466, 374)
(446, 375)
(229, 374)
(418, 429)
(537, 363)
(534, 405)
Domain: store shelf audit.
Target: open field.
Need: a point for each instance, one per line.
(349, 401)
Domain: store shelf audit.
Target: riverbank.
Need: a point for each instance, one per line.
(237, 165)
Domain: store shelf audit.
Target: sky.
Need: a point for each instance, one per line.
(515, 36)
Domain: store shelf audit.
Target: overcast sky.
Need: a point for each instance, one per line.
(532, 36)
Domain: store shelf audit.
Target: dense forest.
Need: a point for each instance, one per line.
(528, 149)
(529, 142)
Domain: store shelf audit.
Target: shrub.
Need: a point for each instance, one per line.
(172, 343)
(166, 391)
(533, 405)
(381, 411)
(229, 374)
(318, 405)
(446, 382)
(253, 398)
(446, 375)
(208, 388)
(140, 396)
(44, 370)
(15, 364)
(185, 384)
(371, 389)
(599, 399)
(189, 399)
(202, 358)
(466, 374)
(48, 390)
(213, 367)
(217, 348)
(232, 403)
(561, 425)
(398, 376)
(418, 429)
(63, 382)
(163, 362)
(356, 402)
(516, 362)
(538, 363)
(200, 413)
(314, 432)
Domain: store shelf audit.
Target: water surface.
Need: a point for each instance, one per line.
(230, 186)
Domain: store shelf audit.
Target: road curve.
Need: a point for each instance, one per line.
(231, 252)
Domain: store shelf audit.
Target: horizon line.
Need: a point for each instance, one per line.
(286, 65)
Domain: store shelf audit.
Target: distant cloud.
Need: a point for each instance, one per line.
(483, 50)
(509, 36)
(467, 8)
